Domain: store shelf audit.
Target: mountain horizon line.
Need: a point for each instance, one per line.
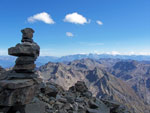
(107, 53)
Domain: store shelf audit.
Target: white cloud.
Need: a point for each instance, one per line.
(44, 17)
(76, 18)
(113, 53)
(99, 22)
(69, 34)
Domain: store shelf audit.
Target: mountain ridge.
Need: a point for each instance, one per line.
(8, 61)
(100, 82)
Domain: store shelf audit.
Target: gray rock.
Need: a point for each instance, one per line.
(96, 111)
(62, 100)
(25, 60)
(20, 96)
(17, 83)
(27, 35)
(87, 94)
(38, 107)
(27, 40)
(25, 68)
(50, 90)
(81, 87)
(72, 102)
(78, 99)
(13, 75)
(25, 49)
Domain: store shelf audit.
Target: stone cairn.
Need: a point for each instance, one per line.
(20, 85)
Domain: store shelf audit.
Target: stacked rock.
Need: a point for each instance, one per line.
(19, 86)
(27, 52)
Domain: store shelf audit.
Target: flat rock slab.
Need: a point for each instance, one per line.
(25, 60)
(22, 75)
(25, 49)
(24, 68)
(17, 83)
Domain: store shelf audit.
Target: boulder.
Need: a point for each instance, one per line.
(79, 87)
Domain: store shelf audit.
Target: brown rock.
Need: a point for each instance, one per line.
(24, 68)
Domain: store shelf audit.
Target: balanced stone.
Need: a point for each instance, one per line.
(19, 86)
(24, 49)
(27, 35)
(25, 60)
(26, 68)
(27, 52)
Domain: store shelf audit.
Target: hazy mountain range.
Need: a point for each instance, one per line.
(125, 81)
(118, 78)
(8, 61)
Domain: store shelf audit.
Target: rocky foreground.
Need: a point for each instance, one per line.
(54, 99)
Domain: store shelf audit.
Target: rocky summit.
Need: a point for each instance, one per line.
(24, 90)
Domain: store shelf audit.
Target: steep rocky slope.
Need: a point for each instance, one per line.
(136, 74)
(100, 82)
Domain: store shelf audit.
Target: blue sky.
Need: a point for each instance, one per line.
(64, 27)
